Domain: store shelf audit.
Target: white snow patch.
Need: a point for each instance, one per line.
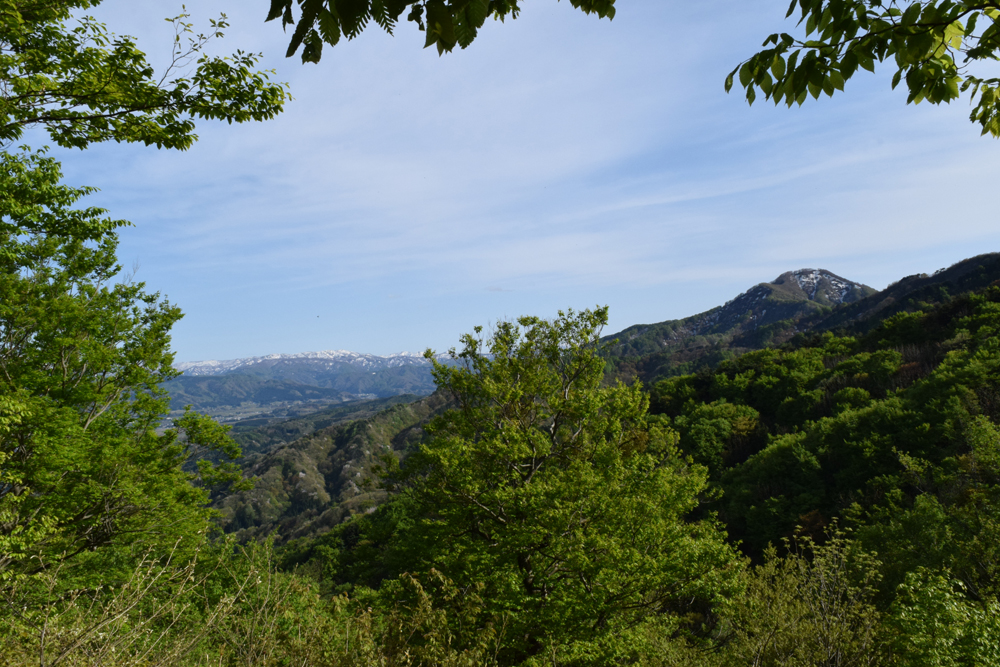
(327, 358)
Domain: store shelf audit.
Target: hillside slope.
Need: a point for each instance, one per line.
(892, 433)
(315, 482)
(205, 393)
(259, 436)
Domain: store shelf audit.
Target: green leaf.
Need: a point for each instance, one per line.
(302, 29)
(478, 11)
(278, 7)
(329, 27)
(911, 14)
(765, 82)
(970, 24)
(778, 66)
(353, 15)
(836, 80)
(848, 65)
(792, 59)
(729, 80)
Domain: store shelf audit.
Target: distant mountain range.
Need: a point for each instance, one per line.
(236, 389)
(308, 363)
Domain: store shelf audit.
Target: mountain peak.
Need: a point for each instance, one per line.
(821, 286)
(791, 296)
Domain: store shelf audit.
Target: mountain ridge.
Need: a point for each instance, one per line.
(800, 302)
(797, 303)
(792, 294)
(219, 367)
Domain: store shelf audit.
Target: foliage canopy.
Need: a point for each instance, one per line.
(556, 496)
(84, 84)
(936, 46)
(81, 358)
(446, 23)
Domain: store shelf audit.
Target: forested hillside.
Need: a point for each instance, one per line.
(317, 481)
(861, 472)
(892, 433)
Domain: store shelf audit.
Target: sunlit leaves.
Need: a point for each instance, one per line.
(82, 355)
(931, 43)
(85, 85)
(446, 23)
(556, 493)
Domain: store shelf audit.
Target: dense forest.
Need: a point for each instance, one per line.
(820, 489)
(830, 501)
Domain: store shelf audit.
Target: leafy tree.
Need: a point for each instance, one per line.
(933, 624)
(815, 606)
(85, 85)
(716, 432)
(935, 45)
(446, 23)
(81, 356)
(557, 495)
(81, 359)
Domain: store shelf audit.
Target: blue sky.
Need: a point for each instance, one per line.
(561, 161)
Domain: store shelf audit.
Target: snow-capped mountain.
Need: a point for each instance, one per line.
(322, 359)
(329, 375)
(792, 294)
(790, 297)
(823, 287)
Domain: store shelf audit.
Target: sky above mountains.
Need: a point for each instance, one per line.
(561, 161)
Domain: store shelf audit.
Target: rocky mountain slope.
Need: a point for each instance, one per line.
(792, 295)
(317, 481)
(797, 303)
(916, 292)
